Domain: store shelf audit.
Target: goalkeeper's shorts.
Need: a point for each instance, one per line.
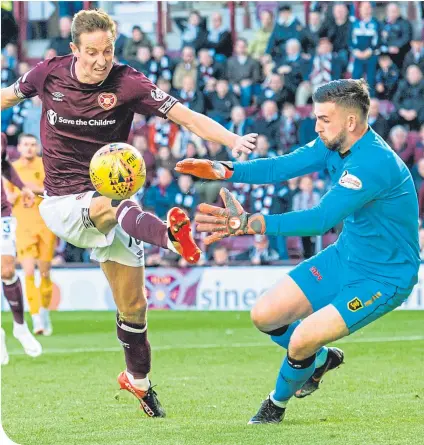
(360, 299)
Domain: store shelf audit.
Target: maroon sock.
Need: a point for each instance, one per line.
(136, 347)
(13, 294)
(142, 225)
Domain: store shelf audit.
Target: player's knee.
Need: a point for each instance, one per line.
(102, 214)
(134, 312)
(259, 317)
(301, 344)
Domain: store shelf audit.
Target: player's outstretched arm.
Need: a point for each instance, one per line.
(304, 160)
(8, 98)
(208, 129)
(343, 199)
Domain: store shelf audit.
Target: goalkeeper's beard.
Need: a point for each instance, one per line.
(337, 143)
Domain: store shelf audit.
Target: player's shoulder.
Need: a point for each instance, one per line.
(54, 63)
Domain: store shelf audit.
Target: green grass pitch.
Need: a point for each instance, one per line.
(212, 370)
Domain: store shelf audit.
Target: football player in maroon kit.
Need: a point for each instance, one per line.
(89, 101)
(12, 288)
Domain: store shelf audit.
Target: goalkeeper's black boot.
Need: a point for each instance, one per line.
(268, 413)
(334, 360)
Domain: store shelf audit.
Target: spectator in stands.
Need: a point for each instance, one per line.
(8, 76)
(140, 143)
(387, 78)
(418, 174)
(277, 91)
(161, 66)
(160, 197)
(61, 44)
(186, 198)
(396, 34)
(307, 131)
(398, 140)
(305, 199)
(239, 124)
(378, 122)
(220, 256)
(165, 86)
(120, 42)
(220, 102)
(408, 100)
(187, 66)
(260, 253)
(243, 72)
(31, 124)
(10, 52)
(142, 61)
(258, 45)
(219, 40)
(292, 65)
(22, 68)
(188, 145)
(208, 68)
(262, 149)
(138, 38)
(287, 27)
(49, 54)
(289, 127)
(165, 160)
(365, 42)
(338, 29)
(193, 31)
(324, 67)
(268, 123)
(161, 132)
(310, 35)
(419, 148)
(217, 152)
(416, 55)
(190, 96)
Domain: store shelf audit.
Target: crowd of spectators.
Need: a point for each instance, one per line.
(264, 86)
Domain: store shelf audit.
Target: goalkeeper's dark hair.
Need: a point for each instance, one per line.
(348, 93)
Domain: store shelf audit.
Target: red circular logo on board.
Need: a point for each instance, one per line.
(107, 100)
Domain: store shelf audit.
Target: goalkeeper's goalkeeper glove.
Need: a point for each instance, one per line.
(206, 169)
(232, 220)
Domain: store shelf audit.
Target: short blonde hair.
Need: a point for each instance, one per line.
(90, 21)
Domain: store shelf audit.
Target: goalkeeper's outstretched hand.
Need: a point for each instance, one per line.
(206, 169)
(232, 220)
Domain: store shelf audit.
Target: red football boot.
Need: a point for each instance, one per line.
(149, 401)
(179, 231)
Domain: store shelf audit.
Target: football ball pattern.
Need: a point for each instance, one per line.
(117, 170)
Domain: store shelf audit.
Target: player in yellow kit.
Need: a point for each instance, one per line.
(35, 242)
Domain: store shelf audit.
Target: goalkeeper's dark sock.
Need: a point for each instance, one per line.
(142, 225)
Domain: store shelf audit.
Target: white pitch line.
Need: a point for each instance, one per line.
(217, 345)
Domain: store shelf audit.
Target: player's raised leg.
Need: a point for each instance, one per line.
(131, 326)
(13, 292)
(174, 235)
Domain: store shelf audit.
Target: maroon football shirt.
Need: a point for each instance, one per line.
(78, 118)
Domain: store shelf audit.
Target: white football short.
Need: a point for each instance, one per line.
(8, 236)
(68, 217)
